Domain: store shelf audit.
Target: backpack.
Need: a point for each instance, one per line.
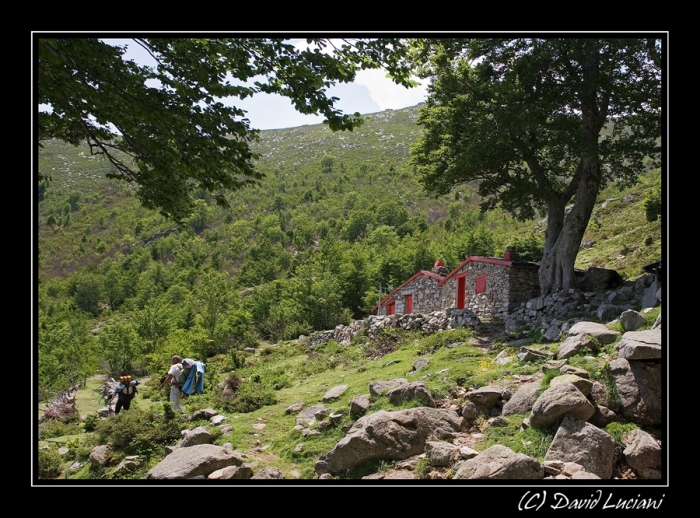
(187, 365)
(126, 388)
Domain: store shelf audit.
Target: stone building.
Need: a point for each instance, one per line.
(490, 287)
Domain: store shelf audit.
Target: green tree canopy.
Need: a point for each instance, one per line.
(165, 128)
(540, 124)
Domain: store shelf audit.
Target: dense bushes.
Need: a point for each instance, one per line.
(138, 432)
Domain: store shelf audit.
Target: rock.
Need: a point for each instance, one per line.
(652, 296)
(388, 436)
(570, 369)
(556, 402)
(581, 442)
(335, 393)
(199, 435)
(583, 384)
(420, 363)
(217, 419)
(598, 331)
(441, 453)
(632, 320)
(269, 473)
(523, 399)
(359, 405)
(641, 450)
(100, 456)
(231, 473)
(378, 388)
(574, 345)
(526, 354)
(640, 345)
(199, 460)
(485, 397)
(639, 385)
(499, 462)
(599, 279)
(416, 390)
(308, 415)
(295, 408)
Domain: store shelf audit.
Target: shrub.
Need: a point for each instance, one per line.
(59, 428)
(89, 423)
(250, 396)
(50, 465)
(422, 467)
(138, 432)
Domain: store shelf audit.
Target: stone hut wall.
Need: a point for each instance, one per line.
(495, 301)
(425, 294)
(524, 284)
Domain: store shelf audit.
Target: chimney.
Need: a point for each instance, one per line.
(440, 269)
(510, 254)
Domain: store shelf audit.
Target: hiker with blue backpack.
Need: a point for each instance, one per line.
(185, 377)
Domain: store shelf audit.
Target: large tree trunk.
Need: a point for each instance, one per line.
(565, 231)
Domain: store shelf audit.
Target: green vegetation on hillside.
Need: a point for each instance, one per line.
(336, 217)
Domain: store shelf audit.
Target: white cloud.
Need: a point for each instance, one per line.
(386, 93)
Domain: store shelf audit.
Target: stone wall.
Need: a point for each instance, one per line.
(426, 295)
(506, 288)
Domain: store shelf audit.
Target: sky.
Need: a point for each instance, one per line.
(371, 92)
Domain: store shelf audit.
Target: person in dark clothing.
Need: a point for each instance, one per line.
(125, 392)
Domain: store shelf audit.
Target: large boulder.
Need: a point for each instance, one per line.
(574, 345)
(408, 392)
(599, 279)
(640, 345)
(639, 386)
(583, 384)
(641, 450)
(587, 445)
(500, 462)
(200, 435)
(523, 399)
(195, 461)
(598, 331)
(389, 436)
(557, 401)
(485, 397)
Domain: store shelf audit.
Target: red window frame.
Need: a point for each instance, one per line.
(480, 284)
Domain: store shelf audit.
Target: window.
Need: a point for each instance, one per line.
(480, 282)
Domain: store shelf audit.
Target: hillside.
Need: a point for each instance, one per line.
(339, 219)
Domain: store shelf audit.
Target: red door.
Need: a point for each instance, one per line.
(409, 304)
(391, 308)
(461, 290)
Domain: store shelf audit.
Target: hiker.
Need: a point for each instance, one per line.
(172, 379)
(125, 392)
